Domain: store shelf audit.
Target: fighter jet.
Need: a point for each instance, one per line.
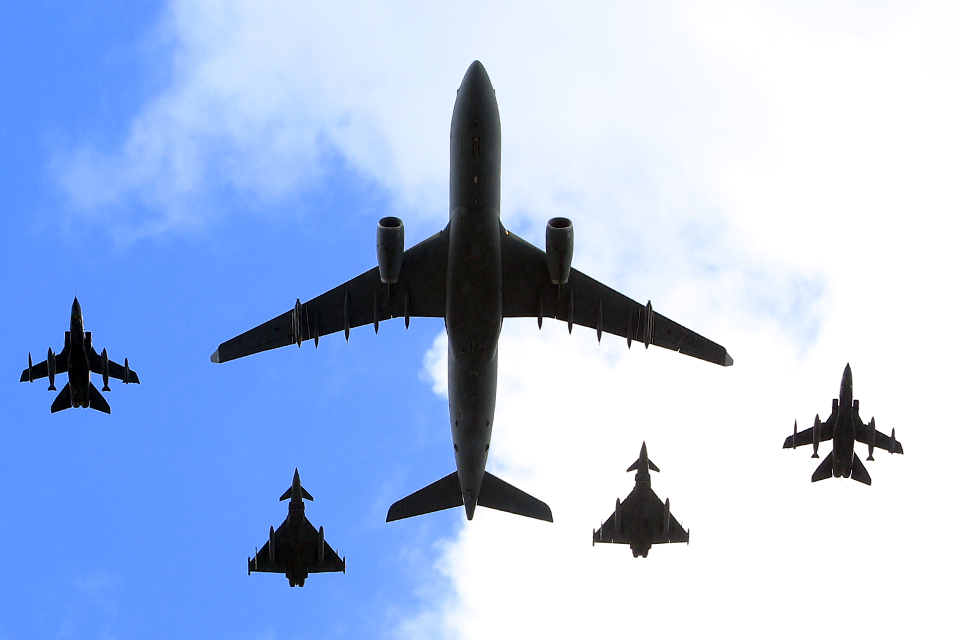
(843, 426)
(642, 519)
(296, 548)
(473, 274)
(78, 360)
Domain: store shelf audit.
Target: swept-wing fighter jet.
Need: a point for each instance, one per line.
(844, 426)
(296, 548)
(642, 519)
(78, 360)
(473, 274)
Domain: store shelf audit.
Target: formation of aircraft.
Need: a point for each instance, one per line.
(844, 427)
(78, 360)
(642, 519)
(297, 547)
(473, 273)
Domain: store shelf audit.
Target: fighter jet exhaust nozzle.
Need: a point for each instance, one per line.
(389, 248)
(51, 368)
(559, 249)
(105, 369)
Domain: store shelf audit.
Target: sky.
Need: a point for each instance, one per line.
(779, 177)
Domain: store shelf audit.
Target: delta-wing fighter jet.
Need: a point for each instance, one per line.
(844, 427)
(297, 547)
(641, 520)
(78, 360)
(473, 274)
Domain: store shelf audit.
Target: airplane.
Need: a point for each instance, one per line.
(473, 274)
(78, 360)
(296, 548)
(641, 520)
(844, 426)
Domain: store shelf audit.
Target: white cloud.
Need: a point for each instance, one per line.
(777, 177)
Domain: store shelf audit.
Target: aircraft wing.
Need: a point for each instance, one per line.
(608, 530)
(114, 370)
(281, 545)
(880, 440)
(421, 291)
(528, 293)
(675, 532)
(40, 371)
(329, 562)
(805, 437)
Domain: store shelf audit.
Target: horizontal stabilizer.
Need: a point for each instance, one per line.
(97, 401)
(442, 494)
(859, 471)
(62, 401)
(497, 494)
(825, 470)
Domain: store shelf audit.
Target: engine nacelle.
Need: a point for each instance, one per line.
(51, 368)
(105, 369)
(559, 249)
(389, 248)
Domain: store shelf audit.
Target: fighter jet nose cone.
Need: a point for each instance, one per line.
(296, 476)
(75, 309)
(475, 77)
(847, 374)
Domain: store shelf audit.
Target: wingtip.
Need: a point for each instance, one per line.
(728, 361)
(216, 356)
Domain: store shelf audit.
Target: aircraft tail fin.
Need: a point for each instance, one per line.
(97, 401)
(859, 471)
(62, 401)
(442, 494)
(825, 470)
(497, 494)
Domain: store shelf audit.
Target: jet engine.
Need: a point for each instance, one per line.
(559, 249)
(389, 248)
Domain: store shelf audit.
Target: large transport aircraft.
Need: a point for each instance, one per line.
(78, 360)
(297, 547)
(844, 427)
(473, 274)
(642, 519)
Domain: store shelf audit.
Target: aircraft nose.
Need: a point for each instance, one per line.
(296, 477)
(848, 375)
(75, 309)
(475, 78)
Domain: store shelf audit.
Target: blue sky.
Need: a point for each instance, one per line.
(776, 177)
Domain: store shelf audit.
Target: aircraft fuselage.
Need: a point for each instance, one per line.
(296, 525)
(78, 363)
(844, 433)
(474, 312)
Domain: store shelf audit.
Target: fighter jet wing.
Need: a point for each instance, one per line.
(880, 441)
(805, 437)
(115, 370)
(330, 561)
(675, 532)
(608, 531)
(421, 291)
(40, 371)
(529, 293)
(278, 564)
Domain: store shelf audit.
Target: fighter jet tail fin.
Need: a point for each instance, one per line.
(825, 470)
(497, 494)
(62, 401)
(97, 401)
(859, 472)
(442, 494)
